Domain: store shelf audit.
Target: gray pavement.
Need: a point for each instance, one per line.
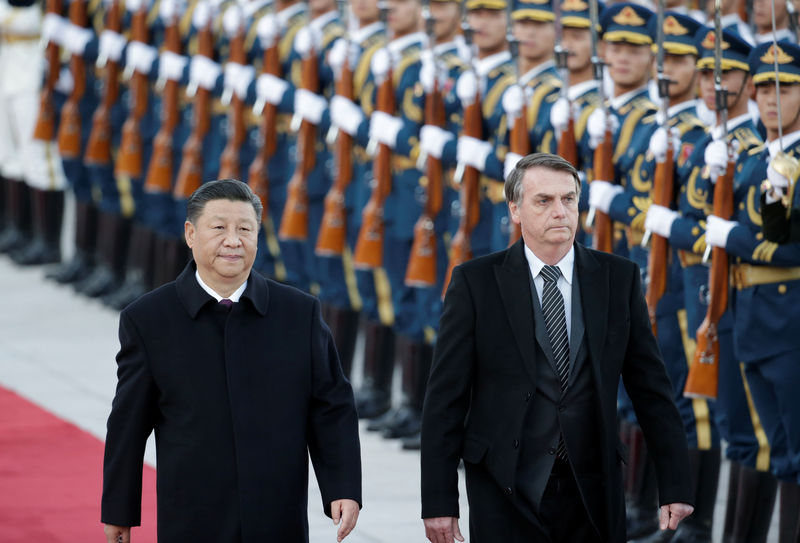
(57, 349)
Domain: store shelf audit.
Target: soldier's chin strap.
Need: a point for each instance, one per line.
(739, 93)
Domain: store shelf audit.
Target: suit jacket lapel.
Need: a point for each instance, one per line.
(515, 291)
(593, 283)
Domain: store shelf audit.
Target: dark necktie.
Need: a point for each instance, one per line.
(226, 303)
(555, 320)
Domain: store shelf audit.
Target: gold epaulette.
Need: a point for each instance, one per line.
(746, 138)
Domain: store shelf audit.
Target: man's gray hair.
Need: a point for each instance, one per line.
(513, 185)
(222, 189)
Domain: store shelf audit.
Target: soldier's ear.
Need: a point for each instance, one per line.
(189, 233)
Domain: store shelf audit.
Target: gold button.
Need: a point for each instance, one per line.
(695, 231)
(782, 289)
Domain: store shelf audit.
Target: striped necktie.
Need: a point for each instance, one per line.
(555, 320)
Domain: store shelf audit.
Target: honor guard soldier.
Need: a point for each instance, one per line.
(732, 20)
(350, 115)
(31, 179)
(766, 275)
(738, 423)
(762, 21)
(679, 132)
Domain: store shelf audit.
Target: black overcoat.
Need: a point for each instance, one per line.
(238, 402)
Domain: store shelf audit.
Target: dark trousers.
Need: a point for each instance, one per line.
(496, 516)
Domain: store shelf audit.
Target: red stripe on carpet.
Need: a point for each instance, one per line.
(51, 476)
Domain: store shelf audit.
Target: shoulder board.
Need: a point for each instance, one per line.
(746, 137)
(453, 60)
(757, 149)
(504, 69)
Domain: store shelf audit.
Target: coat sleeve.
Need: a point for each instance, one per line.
(132, 418)
(333, 444)
(447, 401)
(649, 388)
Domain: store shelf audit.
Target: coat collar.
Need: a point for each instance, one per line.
(193, 297)
(513, 281)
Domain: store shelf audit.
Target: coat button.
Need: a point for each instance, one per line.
(516, 443)
(528, 396)
(551, 450)
(508, 491)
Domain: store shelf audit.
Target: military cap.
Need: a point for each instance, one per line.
(533, 10)
(734, 50)
(486, 4)
(762, 62)
(626, 23)
(679, 33)
(575, 13)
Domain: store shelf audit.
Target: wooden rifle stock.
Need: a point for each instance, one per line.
(333, 230)
(69, 129)
(190, 174)
(519, 143)
(567, 145)
(421, 269)
(257, 177)
(98, 149)
(703, 378)
(129, 158)
(160, 169)
(229, 161)
(460, 247)
(369, 247)
(45, 129)
(659, 246)
(294, 222)
(603, 234)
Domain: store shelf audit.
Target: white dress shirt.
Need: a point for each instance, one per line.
(233, 297)
(564, 283)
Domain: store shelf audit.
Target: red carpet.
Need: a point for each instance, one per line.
(51, 479)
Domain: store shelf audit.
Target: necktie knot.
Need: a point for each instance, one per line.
(225, 302)
(550, 273)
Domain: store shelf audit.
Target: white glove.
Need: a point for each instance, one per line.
(380, 64)
(384, 128)
(513, 100)
(310, 106)
(596, 126)
(171, 66)
(54, 28)
(202, 14)
(779, 184)
(232, 20)
(77, 38)
(718, 230)
(659, 220)
(134, 6)
(267, 30)
(602, 193)
(559, 115)
(428, 71)
(238, 78)
(337, 55)
(304, 41)
(169, 9)
(467, 87)
(111, 45)
(510, 163)
(345, 114)
(140, 56)
(204, 72)
(473, 152)
(658, 142)
(270, 89)
(716, 157)
(432, 140)
(65, 82)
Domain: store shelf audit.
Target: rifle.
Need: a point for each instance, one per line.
(129, 158)
(190, 174)
(69, 130)
(421, 269)
(603, 235)
(98, 149)
(663, 186)
(333, 229)
(519, 140)
(703, 378)
(160, 170)
(294, 222)
(369, 246)
(257, 176)
(469, 179)
(45, 129)
(229, 161)
(567, 144)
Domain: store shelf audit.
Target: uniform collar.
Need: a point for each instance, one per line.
(788, 140)
(398, 45)
(733, 124)
(319, 23)
(214, 294)
(623, 99)
(285, 14)
(486, 65)
(780, 34)
(361, 34)
(683, 106)
(193, 297)
(536, 71)
(565, 264)
(576, 91)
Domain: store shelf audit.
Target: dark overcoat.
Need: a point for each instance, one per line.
(238, 400)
